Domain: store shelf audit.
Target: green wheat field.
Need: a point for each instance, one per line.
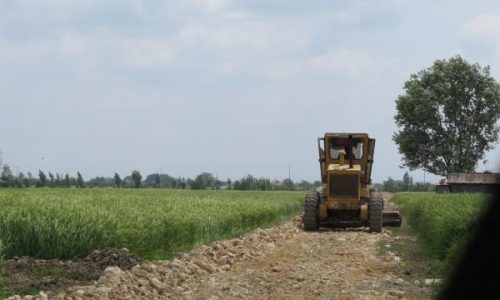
(153, 224)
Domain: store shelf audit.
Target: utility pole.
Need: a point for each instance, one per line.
(424, 176)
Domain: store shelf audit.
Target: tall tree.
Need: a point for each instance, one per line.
(203, 181)
(136, 178)
(67, 180)
(6, 177)
(42, 179)
(447, 117)
(20, 179)
(407, 181)
(28, 181)
(79, 180)
(51, 180)
(157, 180)
(118, 180)
(58, 179)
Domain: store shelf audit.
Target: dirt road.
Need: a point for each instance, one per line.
(281, 262)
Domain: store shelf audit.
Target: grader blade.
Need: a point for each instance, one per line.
(391, 218)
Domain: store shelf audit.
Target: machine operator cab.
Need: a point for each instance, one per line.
(346, 151)
(339, 146)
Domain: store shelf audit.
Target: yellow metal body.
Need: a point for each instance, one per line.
(346, 161)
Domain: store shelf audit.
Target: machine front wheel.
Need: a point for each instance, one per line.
(376, 207)
(311, 217)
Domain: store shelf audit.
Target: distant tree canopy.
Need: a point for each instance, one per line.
(405, 185)
(202, 181)
(136, 178)
(250, 182)
(118, 180)
(79, 180)
(447, 117)
(42, 178)
(6, 177)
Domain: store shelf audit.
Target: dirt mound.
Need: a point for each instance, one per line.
(113, 257)
(26, 275)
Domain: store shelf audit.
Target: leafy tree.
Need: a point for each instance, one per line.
(6, 177)
(79, 180)
(180, 183)
(447, 117)
(51, 180)
(67, 180)
(42, 179)
(407, 181)
(118, 181)
(317, 184)
(20, 179)
(203, 181)
(136, 178)
(389, 185)
(100, 181)
(305, 185)
(28, 180)
(58, 179)
(157, 180)
(288, 184)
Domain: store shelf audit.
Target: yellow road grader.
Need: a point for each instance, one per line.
(347, 198)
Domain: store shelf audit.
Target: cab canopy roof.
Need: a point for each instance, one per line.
(345, 134)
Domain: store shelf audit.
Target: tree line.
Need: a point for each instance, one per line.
(406, 184)
(202, 181)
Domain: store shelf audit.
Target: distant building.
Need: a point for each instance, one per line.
(486, 182)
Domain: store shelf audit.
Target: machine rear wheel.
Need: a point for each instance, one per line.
(376, 207)
(311, 218)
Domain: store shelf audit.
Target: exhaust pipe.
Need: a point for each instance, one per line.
(391, 218)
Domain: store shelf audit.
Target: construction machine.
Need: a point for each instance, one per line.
(347, 198)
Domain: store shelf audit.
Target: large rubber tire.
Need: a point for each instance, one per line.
(311, 217)
(376, 207)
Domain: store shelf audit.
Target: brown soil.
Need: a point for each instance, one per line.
(27, 275)
(282, 262)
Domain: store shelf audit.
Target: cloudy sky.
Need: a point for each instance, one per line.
(228, 87)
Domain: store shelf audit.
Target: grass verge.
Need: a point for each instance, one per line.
(3, 287)
(443, 224)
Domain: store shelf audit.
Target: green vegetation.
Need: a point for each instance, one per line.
(3, 288)
(443, 127)
(154, 224)
(443, 223)
(405, 185)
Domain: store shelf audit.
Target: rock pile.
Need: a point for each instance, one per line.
(282, 262)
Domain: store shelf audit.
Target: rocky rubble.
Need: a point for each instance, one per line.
(282, 262)
(26, 272)
(113, 257)
(277, 263)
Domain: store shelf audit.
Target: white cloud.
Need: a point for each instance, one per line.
(480, 39)
(343, 63)
(353, 63)
(212, 5)
(147, 53)
(81, 52)
(485, 25)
